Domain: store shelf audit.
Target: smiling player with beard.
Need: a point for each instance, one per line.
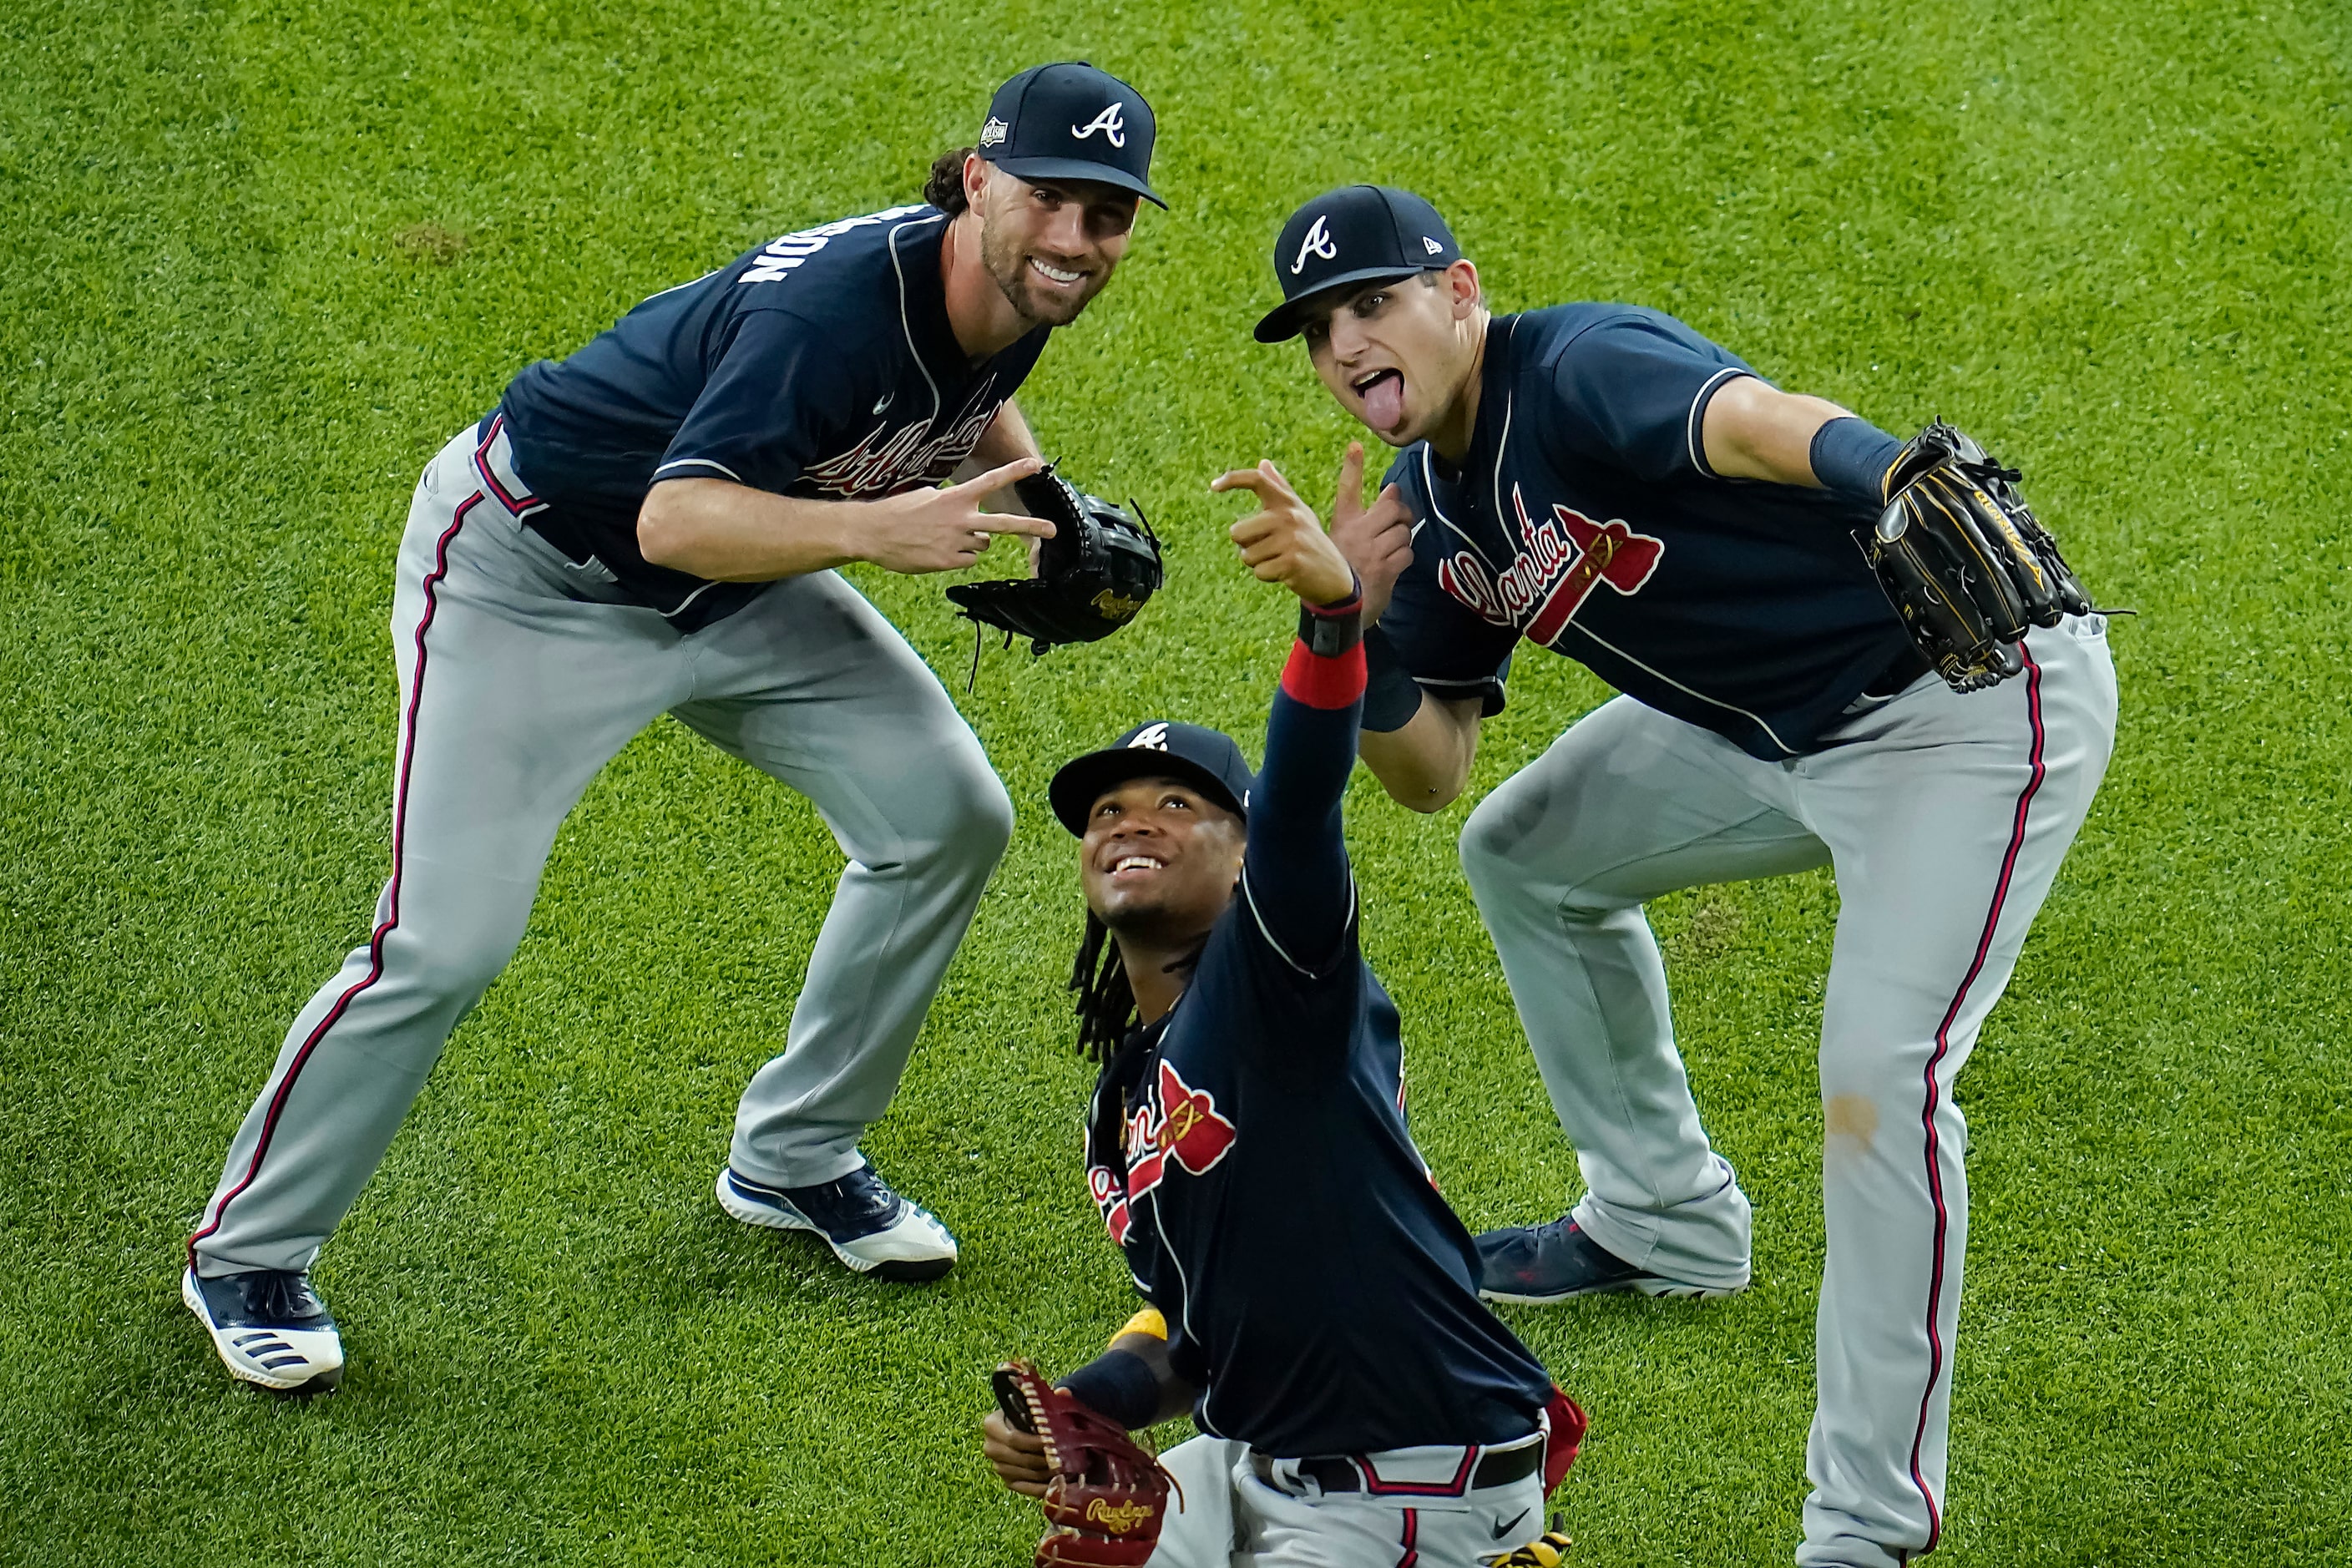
(651, 526)
(1606, 483)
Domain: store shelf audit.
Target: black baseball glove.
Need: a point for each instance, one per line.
(1093, 575)
(1965, 562)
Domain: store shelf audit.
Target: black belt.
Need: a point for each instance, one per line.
(1339, 1475)
(1908, 666)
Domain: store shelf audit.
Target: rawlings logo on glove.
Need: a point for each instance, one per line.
(1109, 1496)
(1093, 575)
(1965, 562)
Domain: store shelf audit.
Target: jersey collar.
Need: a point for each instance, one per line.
(915, 248)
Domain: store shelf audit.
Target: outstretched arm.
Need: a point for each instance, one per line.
(1295, 875)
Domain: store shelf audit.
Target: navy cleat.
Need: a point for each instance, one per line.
(869, 1227)
(269, 1329)
(1536, 1264)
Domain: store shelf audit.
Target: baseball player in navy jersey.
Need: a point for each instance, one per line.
(1316, 1302)
(1606, 483)
(651, 526)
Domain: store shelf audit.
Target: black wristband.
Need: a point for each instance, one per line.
(1330, 630)
(1120, 1386)
(1391, 696)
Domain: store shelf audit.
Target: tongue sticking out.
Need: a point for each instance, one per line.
(1384, 400)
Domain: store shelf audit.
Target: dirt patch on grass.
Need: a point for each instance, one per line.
(430, 242)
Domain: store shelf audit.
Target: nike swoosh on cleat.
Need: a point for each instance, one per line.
(1505, 1529)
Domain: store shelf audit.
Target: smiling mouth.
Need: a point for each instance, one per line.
(1137, 863)
(1061, 278)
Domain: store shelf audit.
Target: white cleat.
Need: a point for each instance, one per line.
(869, 1227)
(269, 1328)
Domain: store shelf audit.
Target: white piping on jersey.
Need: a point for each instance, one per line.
(1690, 421)
(1280, 952)
(698, 463)
(1502, 445)
(682, 603)
(1474, 680)
(1183, 1313)
(1754, 718)
(904, 324)
(688, 284)
(1429, 485)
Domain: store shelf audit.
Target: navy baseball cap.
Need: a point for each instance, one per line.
(1357, 233)
(1206, 759)
(1070, 121)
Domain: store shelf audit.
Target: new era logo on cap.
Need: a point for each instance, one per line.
(1357, 235)
(1070, 121)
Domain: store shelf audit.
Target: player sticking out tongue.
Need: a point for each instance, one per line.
(1392, 315)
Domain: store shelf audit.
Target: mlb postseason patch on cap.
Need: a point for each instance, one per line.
(1070, 121)
(1356, 234)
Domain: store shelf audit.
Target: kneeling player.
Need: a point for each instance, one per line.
(1317, 1302)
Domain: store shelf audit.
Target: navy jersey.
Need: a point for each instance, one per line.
(1249, 1155)
(1585, 518)
(821, 366)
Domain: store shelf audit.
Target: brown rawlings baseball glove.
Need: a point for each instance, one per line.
(1109, 1496)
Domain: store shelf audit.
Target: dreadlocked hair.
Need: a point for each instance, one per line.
(1106, 1004)
(943, 186)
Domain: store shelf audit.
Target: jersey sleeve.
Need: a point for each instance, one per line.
(1442, 642)
(1296, 882)
(1632, 390)
(780, 387)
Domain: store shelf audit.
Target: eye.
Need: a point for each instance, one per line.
(1178, 802)
(1316, 334)
(1369, 305)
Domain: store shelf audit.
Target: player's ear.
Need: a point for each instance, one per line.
(1461, 282)
(975, 178)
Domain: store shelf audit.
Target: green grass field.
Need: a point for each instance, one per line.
(262, 259)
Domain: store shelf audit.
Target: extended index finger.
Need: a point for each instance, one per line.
(997, 479)
(1265, 481)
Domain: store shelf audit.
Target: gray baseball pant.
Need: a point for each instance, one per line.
(519, 678)
(1944, 817)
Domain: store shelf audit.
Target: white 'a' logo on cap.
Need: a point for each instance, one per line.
(1152, 737)
(1109, 122)
(1316, 243)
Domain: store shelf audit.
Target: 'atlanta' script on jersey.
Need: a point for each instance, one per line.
(887, 459)
(1559, 562)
